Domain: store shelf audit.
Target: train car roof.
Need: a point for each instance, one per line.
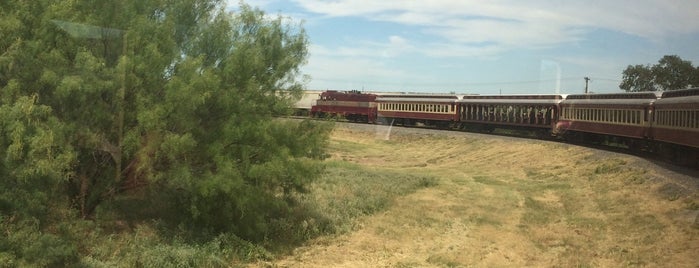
(418, 96)
(517, 96)
(679, 98)
(529, 99)
(413, 99)
(681, 93)
(614, 96)
(607, 102)
(612, 99)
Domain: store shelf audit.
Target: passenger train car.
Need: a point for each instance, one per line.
(649, 121)
(409, 110)
(621, 118)
(487, 112)
(676, 118)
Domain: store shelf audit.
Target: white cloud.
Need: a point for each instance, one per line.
(522, 23)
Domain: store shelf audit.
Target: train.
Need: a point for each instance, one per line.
(666, 123)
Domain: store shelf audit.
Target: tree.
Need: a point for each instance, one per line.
(638, 78)
(670, 73)
(673, 73)
(175, 96)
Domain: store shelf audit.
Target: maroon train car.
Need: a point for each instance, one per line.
(510, 111)
(676, 118)
(352, 105)
(409, 109)
(623, 115)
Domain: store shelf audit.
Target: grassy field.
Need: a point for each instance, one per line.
(404, 199)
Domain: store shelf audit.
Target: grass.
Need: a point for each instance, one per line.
(455, 201)
(349, 191)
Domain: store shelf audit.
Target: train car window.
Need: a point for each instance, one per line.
(664, 118)
(603, 115)
(672, 118)
(638, 117)
(690, 119)
(632, 116)
(624, 116)
(588, 114)
(593, 115)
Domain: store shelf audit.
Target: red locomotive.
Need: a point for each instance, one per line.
(351, 105)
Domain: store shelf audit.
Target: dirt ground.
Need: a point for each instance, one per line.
(508, 202)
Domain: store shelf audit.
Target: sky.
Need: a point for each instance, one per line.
(487, 46)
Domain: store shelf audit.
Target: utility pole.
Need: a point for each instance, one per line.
(587, 79)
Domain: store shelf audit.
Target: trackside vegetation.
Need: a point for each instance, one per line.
(142, 133)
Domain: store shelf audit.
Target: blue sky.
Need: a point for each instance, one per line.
(486, 47)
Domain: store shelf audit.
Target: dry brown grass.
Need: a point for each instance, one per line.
(510, 202)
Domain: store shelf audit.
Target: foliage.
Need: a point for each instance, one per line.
(670, 73)
(170, 101)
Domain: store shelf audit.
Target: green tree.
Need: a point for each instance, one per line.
(176, 96)
(638, 78)
(670, 73)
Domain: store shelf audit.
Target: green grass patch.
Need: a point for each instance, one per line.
(537, 213)
(348, 191)
(488, 180)
(443, 261)
(610, 166)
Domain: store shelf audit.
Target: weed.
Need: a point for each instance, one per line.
(488, 180)
(610, 166)
(671, 191)
(536, 213)
(443, 261)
